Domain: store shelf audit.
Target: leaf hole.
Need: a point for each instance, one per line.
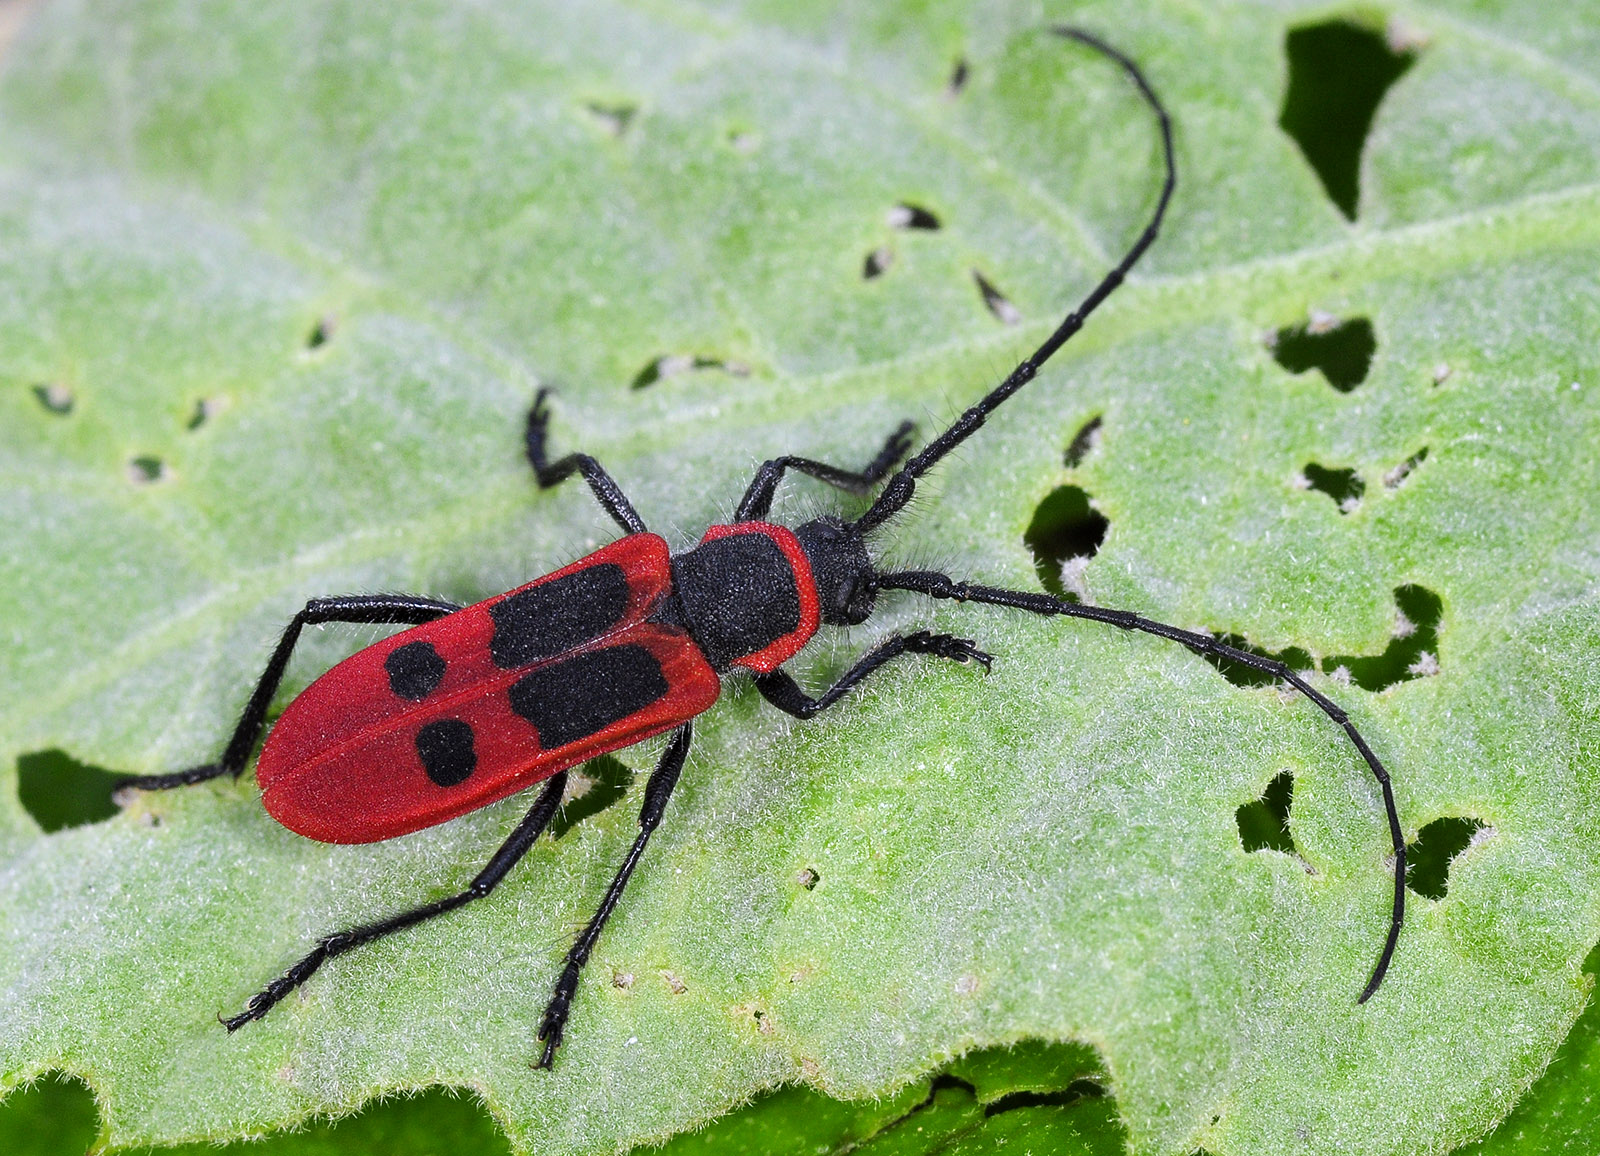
(204, 410)
(677, 364)
(146, 469)
(1264, 822)
(1428, 859)
(1340, 350)
(55, 397)
(1071, 1094)
(995, 301)
(54, 1114)
(1242, 674)
(1413, 650)
(908, 216)
(959, 74)
(674, 984)
(1065, 532)
(322, 332)
(877, 263)
(614, 117)
(1339, 72)
(1395, 478)
(1084, 442)
(60, 792)
(1345, 486)
(808, 878)
(591, 788)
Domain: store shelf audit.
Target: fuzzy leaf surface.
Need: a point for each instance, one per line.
(277, 284)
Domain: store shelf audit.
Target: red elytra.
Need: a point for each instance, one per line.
(342, 765)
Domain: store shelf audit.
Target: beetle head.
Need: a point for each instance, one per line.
(847, 585)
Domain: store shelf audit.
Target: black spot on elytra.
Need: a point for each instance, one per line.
(1338, 75)
(1413, 651)
(1437, 844)
(445, 748)
(580, 696)
(1242, 673)
(552, 617)
(1083, 443)
(995, 301)
(1340, 350)
(608, 779)
(1065, 528)
(55, 397)
(1345, 486)
(414, 670)
(60, 792)
(1264, 822)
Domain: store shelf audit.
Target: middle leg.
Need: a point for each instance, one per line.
(510, 852)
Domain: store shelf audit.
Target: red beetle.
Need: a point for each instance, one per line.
(476, 703)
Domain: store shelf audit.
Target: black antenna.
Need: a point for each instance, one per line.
(904, 483)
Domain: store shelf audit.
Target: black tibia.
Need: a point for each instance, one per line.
(379, 609)
(549, 473)
(937, 585)
(757, 499)
(904, 483)
(512, 850)
(656, 793)
(785, 694)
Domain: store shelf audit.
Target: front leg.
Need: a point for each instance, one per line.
(757, 499)
(785, 694)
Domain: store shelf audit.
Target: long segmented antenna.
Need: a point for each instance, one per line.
(900, 488)
(904, 483)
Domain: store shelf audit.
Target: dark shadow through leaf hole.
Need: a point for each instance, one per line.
(60, 792)
(1083, 443)
(1066, 531)
(55, 397)
(1413, 651)
(1338, 74)
(1242, 674)
(1341, 350)
(608, 780)
(1428, 859)
(1345, 487)
(1264, 822)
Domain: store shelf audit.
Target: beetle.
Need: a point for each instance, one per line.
(472, 704)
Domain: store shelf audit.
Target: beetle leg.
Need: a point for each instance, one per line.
(512, 850)
(936, 585)
(656, 793)
(606, 491)
(757, 499)
(379, 609)
(785, 694)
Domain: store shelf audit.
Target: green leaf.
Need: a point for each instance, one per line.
(278, 282)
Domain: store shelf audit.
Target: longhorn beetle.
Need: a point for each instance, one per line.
(476, 703)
